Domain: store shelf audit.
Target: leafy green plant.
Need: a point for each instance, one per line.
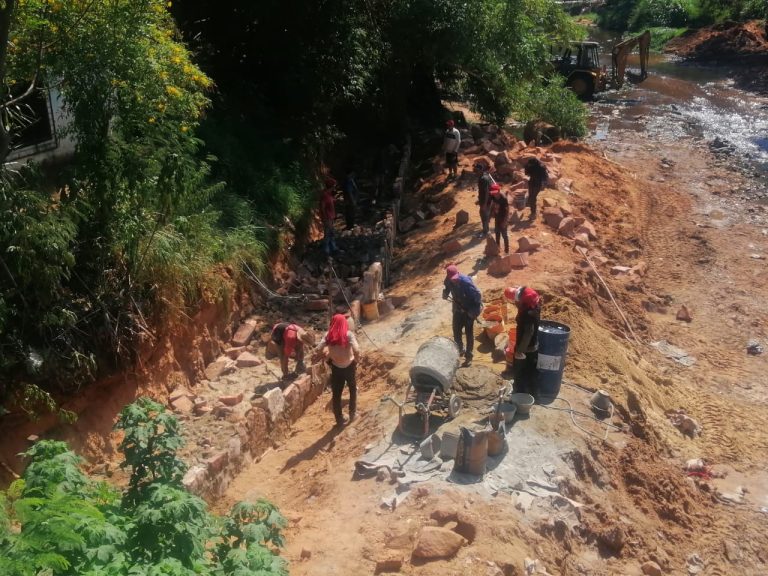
(663, 13)
(58, 522)
(660, 37)
(552, 102)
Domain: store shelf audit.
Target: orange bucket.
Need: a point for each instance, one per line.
(510, 351)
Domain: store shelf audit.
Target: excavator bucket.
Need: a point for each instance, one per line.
(621, 52)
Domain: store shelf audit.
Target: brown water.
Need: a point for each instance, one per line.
(679, 101)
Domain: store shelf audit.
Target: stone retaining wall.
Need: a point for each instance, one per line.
(266, 423)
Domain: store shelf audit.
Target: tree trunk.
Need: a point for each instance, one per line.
(6, 16)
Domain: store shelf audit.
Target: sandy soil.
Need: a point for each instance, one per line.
(638, 504)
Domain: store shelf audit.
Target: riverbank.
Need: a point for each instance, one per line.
(621, 502)
(743, 47)
(723, 42)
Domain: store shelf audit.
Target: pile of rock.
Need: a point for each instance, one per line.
(560, 217)
(239, 408)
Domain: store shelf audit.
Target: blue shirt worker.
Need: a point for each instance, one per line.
(467, 304)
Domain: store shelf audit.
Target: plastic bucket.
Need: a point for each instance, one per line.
(510, 351)
(497, 440)
(553, 348)
(490, 310)
(371, 311)
(493, 329)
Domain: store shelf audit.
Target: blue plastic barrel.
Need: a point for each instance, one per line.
(553, 347)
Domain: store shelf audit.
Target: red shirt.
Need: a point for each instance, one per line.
(327, 206)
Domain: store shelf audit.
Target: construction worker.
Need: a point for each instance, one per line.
(524, 369)
(451, 144)
(500, 212)
(328, 216)
(339, 346)
(290, 339)
(467, 304)
(537, 178)
(484, 183)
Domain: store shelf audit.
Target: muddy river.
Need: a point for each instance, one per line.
(681, 103)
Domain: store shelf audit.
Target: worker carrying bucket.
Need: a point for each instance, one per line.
(526, 344)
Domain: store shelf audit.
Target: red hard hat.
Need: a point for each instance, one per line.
(512, 293)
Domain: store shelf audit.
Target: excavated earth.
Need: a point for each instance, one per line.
(742, 45)
(570, 495)
(623, 502)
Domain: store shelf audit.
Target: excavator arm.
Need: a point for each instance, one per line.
(621, 52)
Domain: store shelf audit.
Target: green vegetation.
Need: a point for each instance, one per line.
(56, 521)
(559, 105)
(637, 15)
(587, 17)
(660, 36)
(191, 157)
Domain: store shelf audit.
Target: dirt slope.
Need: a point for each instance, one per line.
(638, 505)
(724, 41)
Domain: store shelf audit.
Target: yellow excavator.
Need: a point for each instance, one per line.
(580, 64)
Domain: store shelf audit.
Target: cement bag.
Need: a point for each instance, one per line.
(471, 452)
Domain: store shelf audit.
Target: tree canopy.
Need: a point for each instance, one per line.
(200, 130)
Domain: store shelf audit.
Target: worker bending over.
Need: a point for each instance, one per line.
(290, 338)
(524, 368)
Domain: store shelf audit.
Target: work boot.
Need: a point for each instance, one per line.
(468, 360)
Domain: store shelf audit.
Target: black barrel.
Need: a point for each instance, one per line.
(553, 348)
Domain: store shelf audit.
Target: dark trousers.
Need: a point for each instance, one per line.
(340, 377)
(463, 322)
(485, 218)
(533, 194)
(501, 232)
(349, 213)
(525, 374)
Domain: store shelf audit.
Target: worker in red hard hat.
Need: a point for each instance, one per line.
(524, 368)
(467, 305)
(328, 216)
